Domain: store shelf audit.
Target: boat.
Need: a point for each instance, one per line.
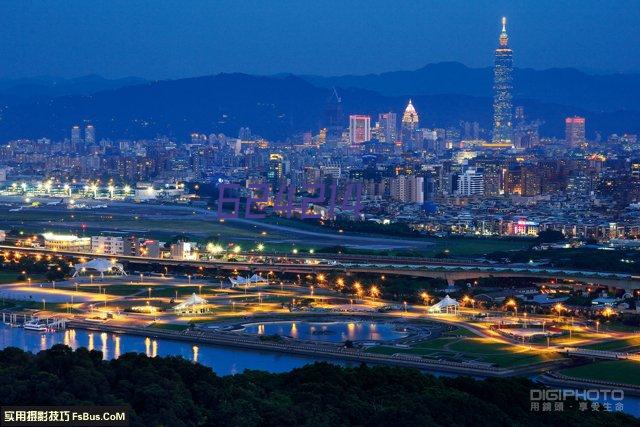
(35, 325)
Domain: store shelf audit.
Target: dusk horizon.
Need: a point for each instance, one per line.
(303, 213)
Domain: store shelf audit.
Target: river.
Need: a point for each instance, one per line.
(223, 360)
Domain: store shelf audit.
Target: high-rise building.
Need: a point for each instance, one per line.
(276, 169)
(471, 183)
(359, 129)
(389, 124)
(333, 118)
(76, 139)
(410, 122)
(407, 189)
(574, 131)
(89, 135)
(503, 88)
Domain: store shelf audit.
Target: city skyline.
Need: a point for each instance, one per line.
(323, 39)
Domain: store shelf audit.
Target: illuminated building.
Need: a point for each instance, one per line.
(107, 245)
(471, 183)
(359, 129)
(407, 189)
(502, 89)
(574, 131)
(76, 140)
(90, 135)
(64, 242)
(276, 169)
(410, 121)
(389, 124)
(522, 227)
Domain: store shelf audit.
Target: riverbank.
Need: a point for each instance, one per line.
(320, 350)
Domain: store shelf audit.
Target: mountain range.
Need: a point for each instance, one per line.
(279, 106)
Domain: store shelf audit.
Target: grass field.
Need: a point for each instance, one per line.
(616, 345)
(12, 277)
(199, 229)
(169, 326)
(620, 371)
(478, 349)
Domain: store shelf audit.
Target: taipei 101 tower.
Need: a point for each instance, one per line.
(502, 89)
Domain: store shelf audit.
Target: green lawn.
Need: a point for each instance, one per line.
(503, 355)
(119, 290)
(12, 277)
(615, 345)
(18, 305)
(169, 326)
(620, 371)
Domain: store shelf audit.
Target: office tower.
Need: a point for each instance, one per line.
(333, 118)
(359, 129)
(89, 135)
(244, 134)
(389, 125)
(276, 170)
(76, 140)
(410, 122)
(471, 183)
(574, 131)
(502, 88)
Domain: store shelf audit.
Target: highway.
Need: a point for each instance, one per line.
(314, 263)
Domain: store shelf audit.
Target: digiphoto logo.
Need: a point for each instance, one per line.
(547, 400)
(311, 201)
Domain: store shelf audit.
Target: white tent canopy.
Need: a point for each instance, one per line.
(100, 265)
(253, 280)
(444, 305)
(193, 300)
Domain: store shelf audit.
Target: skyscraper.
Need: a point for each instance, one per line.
(389, 123)
(574, 131)
(359, 129)
(410, 122)
(333, 117)
(276, 170)
(76, 140)
(90, 135)
(502, 88)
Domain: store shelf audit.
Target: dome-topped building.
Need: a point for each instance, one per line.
(410, 115)
(409, 134)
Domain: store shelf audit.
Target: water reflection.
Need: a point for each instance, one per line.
(116, 352)
(103, 347)
(328, 331)
(154, 347)
(226, 360)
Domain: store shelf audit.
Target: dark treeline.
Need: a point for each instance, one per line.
(171, 391)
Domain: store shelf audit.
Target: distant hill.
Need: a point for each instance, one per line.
(277, 107)
(17, 91)
(566, 86)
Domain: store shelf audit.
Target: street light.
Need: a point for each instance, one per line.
(513, 303)
(425, 298)
(558, 307)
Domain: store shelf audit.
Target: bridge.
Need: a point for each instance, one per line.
(315, 263)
